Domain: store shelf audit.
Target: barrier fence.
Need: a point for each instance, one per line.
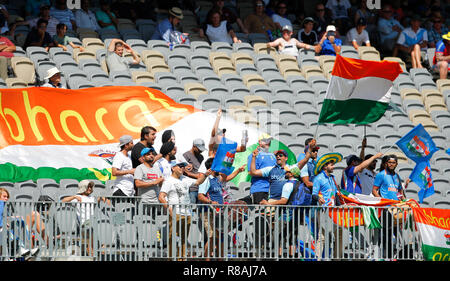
(127, 229)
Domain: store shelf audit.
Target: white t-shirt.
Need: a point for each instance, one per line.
(360, 38)
(177, 191)
(219, 34)
(125, 182)
(367, 177)
(85, 208)
(289, 47)
(165, 167)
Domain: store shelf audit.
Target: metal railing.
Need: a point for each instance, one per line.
(128, 229)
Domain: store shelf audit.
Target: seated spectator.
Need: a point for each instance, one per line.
(43, 14)
(280, 17)
(228, 14)
(211, 192)
(358, 36)
(286, 44)
(259, 22)
(106, 19)
(122, 169)
(145, 9)
(6, 53)
(32, 7)
(63, 14)
(329, 44)
(441, 59)
(85, 18)
(174, 195)
(412, 41)
(437, 31)
(340, 11)
(115, 56)
(364, 13)
(218, 31)
(321, 19)
(307, 34)
(167, 26)
(62, 40)
(39, 36)
(53, 78)
(4, 17)
(389, 29)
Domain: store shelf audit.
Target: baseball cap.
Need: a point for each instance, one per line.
(307, 19)
(331, 28)
(287, 27)
(125, 139)
(200, 144)
(147, 150)
(282, 152)
(178, 163)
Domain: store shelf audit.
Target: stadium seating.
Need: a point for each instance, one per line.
(251, 82)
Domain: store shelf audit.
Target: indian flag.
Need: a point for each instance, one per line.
(434, 228)
(365, 200)
(74, 134)
(359, 91)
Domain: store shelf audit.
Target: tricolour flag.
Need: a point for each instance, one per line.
(359, 91)
(434, 228)
(224, 158)
(417, 144)
(73, 134)
(421, 175)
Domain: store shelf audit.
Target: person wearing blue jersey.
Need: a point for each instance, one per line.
(325, 190)
(350, 180)
(441, 57)
(329, 44)
(387, 182)
(259, 188)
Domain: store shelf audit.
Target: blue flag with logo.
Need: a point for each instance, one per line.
(223, 161)
(421, 175)
(417, 144)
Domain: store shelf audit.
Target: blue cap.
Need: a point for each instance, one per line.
(146, 150)
(180, 163)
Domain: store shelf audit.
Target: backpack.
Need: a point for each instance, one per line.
(300, 196)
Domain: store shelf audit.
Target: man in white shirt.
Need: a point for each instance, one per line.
(122, 169)
(168, 151)
(358, 35)
(85, 18)
(115, 56)
(174, 194)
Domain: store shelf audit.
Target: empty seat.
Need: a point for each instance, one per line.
(253, 79)
(23, 69)
(195, 89)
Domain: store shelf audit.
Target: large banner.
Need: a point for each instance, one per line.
(60, 133)
(434, 227)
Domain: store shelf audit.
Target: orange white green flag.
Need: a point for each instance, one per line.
(359, 91)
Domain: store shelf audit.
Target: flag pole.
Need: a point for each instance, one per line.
(389, 148)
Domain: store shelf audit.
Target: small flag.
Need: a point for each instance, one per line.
(223, 161)
(417, 144)
(421, 175)
(359, 91)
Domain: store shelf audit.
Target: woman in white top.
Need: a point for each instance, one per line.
(288, 45)
(218, 31)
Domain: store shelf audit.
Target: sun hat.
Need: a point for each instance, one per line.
(176, 12)
(51, 71)
(446, 36)
(83, 186)
(334, 156)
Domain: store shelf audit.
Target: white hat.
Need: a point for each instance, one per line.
(52, 71)
(331, 28)
(83, 186)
